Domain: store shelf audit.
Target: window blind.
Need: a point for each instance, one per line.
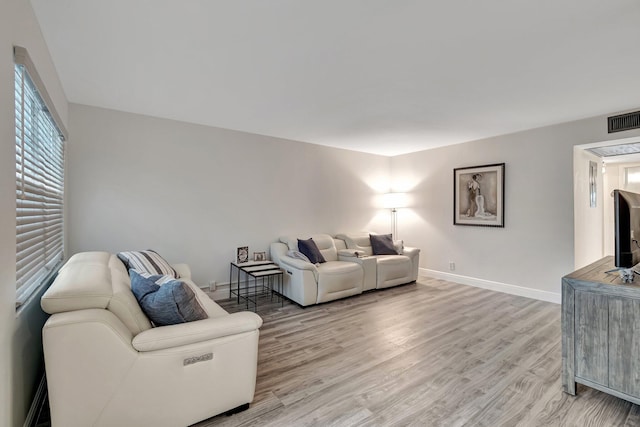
(39, 188)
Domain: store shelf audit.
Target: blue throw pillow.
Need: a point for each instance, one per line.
(173, 302)
(311, 251)
(382, 244)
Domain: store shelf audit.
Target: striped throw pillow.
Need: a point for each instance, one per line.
(147, 262)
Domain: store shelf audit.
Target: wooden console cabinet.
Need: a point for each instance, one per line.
(601, 331)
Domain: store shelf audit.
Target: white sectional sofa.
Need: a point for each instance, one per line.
(107, 366)
(391, 270)
(345, 273)
(308, 284)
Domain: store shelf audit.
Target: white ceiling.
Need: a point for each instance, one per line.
(386, 77)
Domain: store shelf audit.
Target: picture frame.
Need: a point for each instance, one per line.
(593, 182)
(259, 256)
(478, 195)
(242, 254)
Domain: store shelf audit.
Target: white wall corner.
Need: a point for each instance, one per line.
(494, 286)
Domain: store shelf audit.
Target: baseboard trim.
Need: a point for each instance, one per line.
(36, 404)
(494, 286)
(221, 291)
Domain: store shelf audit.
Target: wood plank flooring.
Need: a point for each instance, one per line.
(431, 353)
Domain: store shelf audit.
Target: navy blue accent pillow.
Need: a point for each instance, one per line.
(169, 304)
(311, 251)
(382, 244)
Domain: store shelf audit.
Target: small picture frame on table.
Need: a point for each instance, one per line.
(259, 256)
(242, 254)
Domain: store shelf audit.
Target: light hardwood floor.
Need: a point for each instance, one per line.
(431, 353)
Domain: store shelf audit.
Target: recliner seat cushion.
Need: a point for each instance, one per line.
(338, 267)
(392, 267)
(338, 278)
(390, 260)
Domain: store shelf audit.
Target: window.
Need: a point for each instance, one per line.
(39, 183)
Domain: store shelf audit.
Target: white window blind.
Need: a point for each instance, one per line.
(39, 188)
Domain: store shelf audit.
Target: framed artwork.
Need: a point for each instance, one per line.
(478, 196)
(242, 254)
(259, 256)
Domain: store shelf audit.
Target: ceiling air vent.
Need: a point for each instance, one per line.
(622, 122)
(616, 150)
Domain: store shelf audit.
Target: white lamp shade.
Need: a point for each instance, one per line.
(395, 200)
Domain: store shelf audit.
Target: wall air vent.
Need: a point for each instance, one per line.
(622, 122)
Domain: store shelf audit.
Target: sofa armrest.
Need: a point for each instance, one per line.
(349, 253)
(410, 252)
(298, 264)
(193, 332)
(183, 270)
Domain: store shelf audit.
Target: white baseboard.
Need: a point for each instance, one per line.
(494, 286)
(221, 292)
(222, 289)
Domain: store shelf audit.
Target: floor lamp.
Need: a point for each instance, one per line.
(394, 201)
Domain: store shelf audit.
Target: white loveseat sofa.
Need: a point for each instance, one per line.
(344, 274)
(308, 284)
(390, 270)
(107, 366)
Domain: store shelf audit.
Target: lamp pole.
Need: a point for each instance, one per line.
(394, 223)
(394, 201)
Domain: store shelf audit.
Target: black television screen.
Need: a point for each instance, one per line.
(627, 228)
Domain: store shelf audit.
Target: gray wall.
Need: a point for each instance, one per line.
(196, 193)
(20, 338)
(535, 249)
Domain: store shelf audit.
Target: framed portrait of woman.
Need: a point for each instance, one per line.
(478, 195)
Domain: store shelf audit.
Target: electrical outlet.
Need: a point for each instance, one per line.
(212, 286)
(452, 265)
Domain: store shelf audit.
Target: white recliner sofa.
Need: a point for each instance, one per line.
(382, 271)
(107, 366)
(307, 283)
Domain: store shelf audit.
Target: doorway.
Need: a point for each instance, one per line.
(598, 169)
